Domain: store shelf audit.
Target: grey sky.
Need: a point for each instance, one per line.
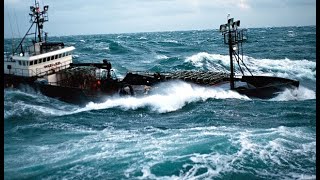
(74, 17)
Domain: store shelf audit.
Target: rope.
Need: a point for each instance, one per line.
(234, 54)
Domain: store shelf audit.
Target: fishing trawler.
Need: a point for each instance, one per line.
(48, 67)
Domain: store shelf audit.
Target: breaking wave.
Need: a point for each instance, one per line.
(168, 97)
(298, 94)
(160, 56)
(277, 67)
(188, 153)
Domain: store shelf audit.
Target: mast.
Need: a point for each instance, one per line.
(39, 17)
(230, 54)
(233, 37)
(36, 17)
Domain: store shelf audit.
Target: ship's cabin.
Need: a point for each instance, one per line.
(40, 59)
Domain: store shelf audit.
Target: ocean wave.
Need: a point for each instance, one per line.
(117, 48)
(286, 68)
(28, 102)
(170, 41)
(169, 97)
(191, 153)
(297, 94)
(142, 38)
(225, 150)
(75, 56)
(160, 56)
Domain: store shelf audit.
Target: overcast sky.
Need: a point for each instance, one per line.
(73, 17)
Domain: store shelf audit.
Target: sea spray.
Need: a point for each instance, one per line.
(167, 97)
(286, 68)
(203, 138)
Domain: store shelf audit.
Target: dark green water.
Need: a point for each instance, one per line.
(181, 131)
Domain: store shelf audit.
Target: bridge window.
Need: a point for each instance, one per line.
(31, 63)
(44, 59)
(56, 57)
(48, 58)
(40, 60)
(19, 63)
(27, 63)
(59, 55)
(52, 57)
(35, 62)
(63, 54)
(24, 63)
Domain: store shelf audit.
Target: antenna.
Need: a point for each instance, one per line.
(39, 17)
(36, 17)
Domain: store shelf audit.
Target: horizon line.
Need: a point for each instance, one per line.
(163, 31)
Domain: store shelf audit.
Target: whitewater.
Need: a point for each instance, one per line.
(179, 130)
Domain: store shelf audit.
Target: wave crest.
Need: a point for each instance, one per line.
(167, 97)
(277, 67)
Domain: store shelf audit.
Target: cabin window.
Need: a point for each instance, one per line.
(24, 63)
(40, 60)
(44, 60)
(59, 55)
(56, 57)
(19, 63)
(52, 57)
(35, 62)
(31, 63)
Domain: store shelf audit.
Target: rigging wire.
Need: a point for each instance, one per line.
(15, 16)
(11, 29)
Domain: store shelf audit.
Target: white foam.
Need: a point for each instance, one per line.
(297, 94)
(145, 149)
(143, 38)
(168, 97)
(170, 41)
(279, 67)
(160, 56)
(82, 40)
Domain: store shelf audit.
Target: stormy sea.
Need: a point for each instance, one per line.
(181, 131)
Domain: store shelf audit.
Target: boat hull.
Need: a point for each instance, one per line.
(265, 87)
